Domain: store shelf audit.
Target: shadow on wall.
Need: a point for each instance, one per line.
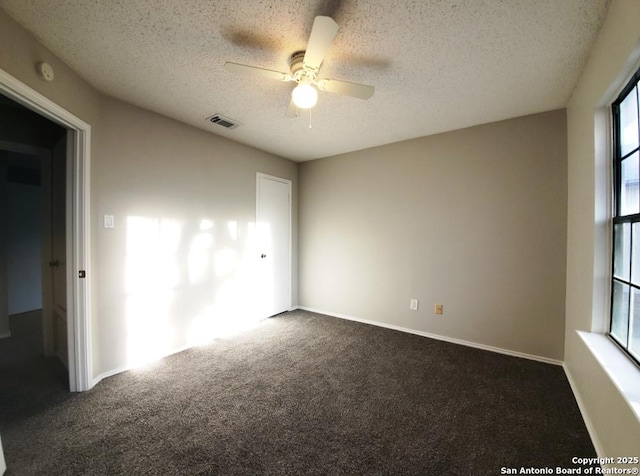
(188, 283)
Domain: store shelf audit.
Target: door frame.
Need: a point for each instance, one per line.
(288, 182)
(78, 225)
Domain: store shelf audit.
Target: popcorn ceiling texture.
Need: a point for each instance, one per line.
(436, 65)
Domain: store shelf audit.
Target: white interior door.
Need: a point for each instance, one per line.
(273, 218)
(58, 256)
(5, 330)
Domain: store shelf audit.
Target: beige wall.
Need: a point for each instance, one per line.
(147, 166)
(473, 219)
(614, 426)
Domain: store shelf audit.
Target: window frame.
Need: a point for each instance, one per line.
(618, 219)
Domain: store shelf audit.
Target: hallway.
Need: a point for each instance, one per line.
(26, 376)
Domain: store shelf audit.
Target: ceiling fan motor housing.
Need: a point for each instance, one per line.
(296, 62)
(298, 68)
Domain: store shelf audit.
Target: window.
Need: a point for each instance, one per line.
(625, 289)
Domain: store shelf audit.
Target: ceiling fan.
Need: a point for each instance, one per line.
(304, 67)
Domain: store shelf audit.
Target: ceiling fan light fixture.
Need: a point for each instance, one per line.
(304, 95)
(304, 67)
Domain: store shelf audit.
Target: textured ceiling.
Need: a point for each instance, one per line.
(437, 65)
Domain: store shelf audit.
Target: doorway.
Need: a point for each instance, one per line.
(75, 232)
(32, 186)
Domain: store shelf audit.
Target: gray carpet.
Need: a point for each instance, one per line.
(301, 394)
(26, 341)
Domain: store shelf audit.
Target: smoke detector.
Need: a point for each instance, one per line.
(45, 71)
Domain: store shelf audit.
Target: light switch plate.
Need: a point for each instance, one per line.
(109, 221)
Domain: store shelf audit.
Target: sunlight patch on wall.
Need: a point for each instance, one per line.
(152, 244)
(231, 313)
(189, 283)
(152, 273)
(149, 333)
(237, 303)
(211, 325)
(199, 257)
(206, 224)
(225, 262)
(233, 230)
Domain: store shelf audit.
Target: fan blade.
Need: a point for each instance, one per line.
(254, 71)
(292, 110)
(361, 91)
(323, 32)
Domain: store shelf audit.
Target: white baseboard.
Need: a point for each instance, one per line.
(585, 416)
(110, 373)
(452, 340)
(6, 334)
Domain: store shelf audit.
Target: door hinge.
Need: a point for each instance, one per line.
(82, 273)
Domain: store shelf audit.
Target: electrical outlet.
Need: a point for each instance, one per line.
(413, 304)
(438, 309)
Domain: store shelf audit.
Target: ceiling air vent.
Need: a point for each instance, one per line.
(223, 121)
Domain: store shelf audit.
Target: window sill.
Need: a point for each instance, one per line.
(622, 372)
